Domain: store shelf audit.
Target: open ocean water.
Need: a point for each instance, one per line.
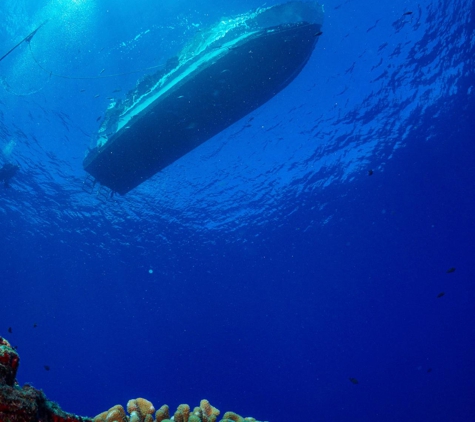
(267, 271)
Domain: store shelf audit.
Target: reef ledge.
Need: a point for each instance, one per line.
(27, 404)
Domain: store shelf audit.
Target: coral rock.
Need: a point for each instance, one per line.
(162, 413)
(194, 418)
(9, 362)
(25, 404)
(30, 405)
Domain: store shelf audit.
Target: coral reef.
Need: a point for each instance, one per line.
(9, 362)
(27, 404)
(143, 413)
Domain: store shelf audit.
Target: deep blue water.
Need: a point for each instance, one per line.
(265, 268)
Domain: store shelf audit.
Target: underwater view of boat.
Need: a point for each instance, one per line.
(222, 75)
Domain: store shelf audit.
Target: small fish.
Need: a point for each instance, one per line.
(82, 90)
(117, 90)
(35, 325)
(97, 95)
(407, 13)
(370, 172)
(429, 370)
(450, 270)
(15, 347)
(99, 118)
(317, 34)
(47, 367)
(354, 380)
(10, 330)
(101, 72)
(441, 294)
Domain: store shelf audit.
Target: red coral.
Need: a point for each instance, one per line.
(25, 404)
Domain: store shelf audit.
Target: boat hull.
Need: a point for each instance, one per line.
(236, 82)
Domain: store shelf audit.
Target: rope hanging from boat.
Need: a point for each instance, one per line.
(100, 76)
(28, 38)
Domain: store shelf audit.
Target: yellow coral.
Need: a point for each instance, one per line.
(162, 413)
(182, 413)
(139, 409)
(178, 416)
(233, 417)
(114, 414)
(210, 413)
(101, 417)
(146, 407)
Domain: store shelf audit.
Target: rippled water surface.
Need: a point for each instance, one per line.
(267, 266)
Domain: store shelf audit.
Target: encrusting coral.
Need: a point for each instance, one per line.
(27, 404)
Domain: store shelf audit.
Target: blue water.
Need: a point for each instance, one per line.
(266, 268)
